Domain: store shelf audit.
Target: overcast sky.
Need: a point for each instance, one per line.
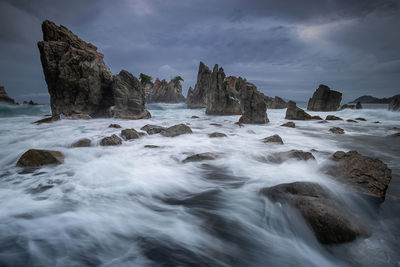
(285, 47)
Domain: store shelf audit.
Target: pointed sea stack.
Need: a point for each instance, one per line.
(166, 92)
(252, 103)
(324, 99)
(197, 98)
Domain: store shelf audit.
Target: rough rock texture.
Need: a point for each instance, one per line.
(4, 96)
(295, 113)
(80, 83)
(84, 142)
(290, 124)
(197, 98)
(292, 154)
(336, 130)
(253, 106)
(273, 139)
(112, 140)
(176, 130)
(275, 103)
(367, 175)
(152, 129)
(330, 221)
(324, 99)
(221, 99)
(129, 97)
(37, 158)
(394, 105)
(165, 92)
(129, 134)
(217, 134)
(333, 118)
(114, 125)
(201, 157)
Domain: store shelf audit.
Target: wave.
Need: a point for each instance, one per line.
(7, 110)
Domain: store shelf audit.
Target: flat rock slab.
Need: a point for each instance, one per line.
(201, 157)
(292, 154)
(48, 119)
(38, 157)
(112, 140)
(217, 134)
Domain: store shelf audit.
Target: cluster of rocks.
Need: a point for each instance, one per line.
(164, 92)
(324, 99)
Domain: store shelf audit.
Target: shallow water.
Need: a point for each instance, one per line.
(130, 205)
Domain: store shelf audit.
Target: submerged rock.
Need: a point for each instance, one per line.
(201, 157)
(4, 96)
(324, 99)
(48, 119)
(166, 92)
(195, 117)
(176, 130)
(112, 140)
(367, 175)
(275, 103)
(290, 124)
(217, 134)
(84, 142)
(333, 118)
(394, 105)
(273, 139)
(330, 221)
(295, 113)
(151, 146)
(130, 134)
(114, 125)
(152, 129)
(197, 98)
(38, 157)
(254, 108)
(336, 130)
(361, 119)
(352, 121)
(292, 154)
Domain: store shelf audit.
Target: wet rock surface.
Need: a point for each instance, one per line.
(273, 139)
(176, 130)
(217, 134)
(129, 134)
(38, 157)
(324, 99)
(295, 113)
(152, 129)
(112, 140)
(84, 142)
(333, 118)
(289, 124)
(336, 130)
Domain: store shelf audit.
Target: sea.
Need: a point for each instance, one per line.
(129, 205)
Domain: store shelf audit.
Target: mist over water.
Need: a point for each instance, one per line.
(134, 206)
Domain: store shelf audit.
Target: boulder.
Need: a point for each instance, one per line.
(295, 113)
(112, 140)
(84, 142)
(273, 139)
(336, 130)
(166, 92)
(395, 134)
(152, 129)
(333, 118)
(221, 99)
(48, 119)
(292, 154)
(361, 119)
(324, 99)
(217, 134)
(201, 157)
(352, 121)
(290, 124)
(197, 98)
(176, 130)
(37, 158)
(329, 219)
(368, 176)
(114, 125)
(4, 96)
(275, 103)
(316, 118)
(394, 105)
(195, 117)
(130, 134)
(253, 106)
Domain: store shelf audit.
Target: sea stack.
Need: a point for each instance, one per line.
(252, 103)
(4, 96)
(324, 99)
(166, 92)
(197, 98)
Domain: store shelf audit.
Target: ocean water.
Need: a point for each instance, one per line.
(134, 206)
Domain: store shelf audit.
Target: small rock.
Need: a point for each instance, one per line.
(336, 130)
(323, 122)
(292, 154)
(195, 117)
(289, 124)
(352, 121)
(361, 119)
(333, 118)
(273, 139)
(217, 134)
(216, 124)
(37, 158)
(377, 122)
(48, 119)
(112, 140)
(201, 157)
(79, 116)
(176, 130)
(152, 129)
(129, 134)
(316, 118)
(85, 142)
(151, 146)
(114, 125)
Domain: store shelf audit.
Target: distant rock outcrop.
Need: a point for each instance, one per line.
(356, 106)
(394, 105)
(197, 98)
(324, 99)
(79, 82)
(295, 113)
(4, 96)
(166, 92)
(275, 103)
(221, 99)
(374, 100)
(253, 106)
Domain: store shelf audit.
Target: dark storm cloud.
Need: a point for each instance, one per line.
(285, 47)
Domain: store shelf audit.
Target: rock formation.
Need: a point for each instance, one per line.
(280, 157)
(197, 98)
(176, 130)
(324, 99)
(221, 99)
(79, 82)
(295, 113)
(37, 158)
(201, 157)
(4, 96)
(112, 140)
(273, 139)
(253, 106)
(349, 106)
(330, 220)
(290, 124)
(394, 105)
(166, 92)
(275, 103)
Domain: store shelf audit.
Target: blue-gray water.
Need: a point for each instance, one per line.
(134, 206)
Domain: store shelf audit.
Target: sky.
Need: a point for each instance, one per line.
(286, 48)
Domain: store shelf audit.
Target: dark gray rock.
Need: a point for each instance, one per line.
(112, 140)
(4, 96)
(336, 130)
(195, 117)
(253, 106)
(166, 92)
(84, 142)
(151, 146)
(329, 219)
(197, 98)
(152, 129)
(358, 105)
(352, 121)
(176, 130)
(361, 119)
(295, 113)
(114, 125)
(38, 157)
(394, 105)
(292, 154)
(130, 134)
(324, 99)
(201, 157)
(290, 124)
(318, 118)
(333, 118)
(217, 134)
(48, 119)
(367, 175)
(273, 139)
